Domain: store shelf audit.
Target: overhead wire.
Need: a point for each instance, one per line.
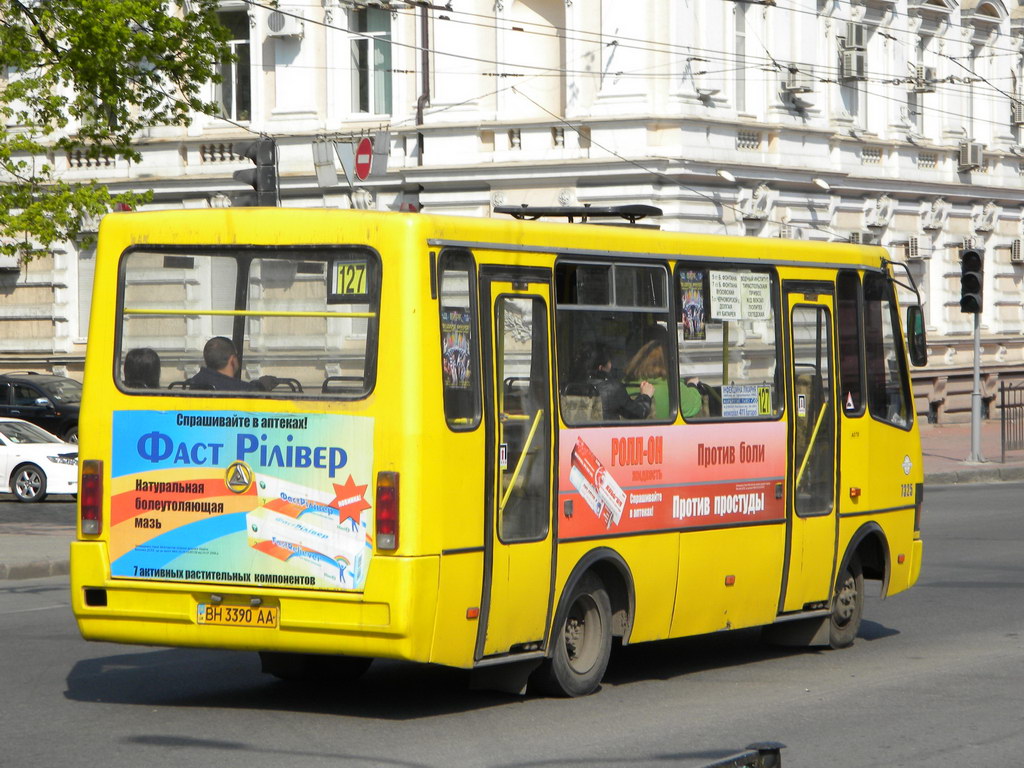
(768, 63)
(756, 62)
(659, 174)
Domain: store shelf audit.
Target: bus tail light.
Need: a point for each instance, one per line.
(90, 497)
(387, 510)
(918, 506)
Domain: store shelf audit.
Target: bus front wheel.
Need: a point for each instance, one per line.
(582, 643)
(847, 605)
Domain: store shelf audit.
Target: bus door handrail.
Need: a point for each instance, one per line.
(810, 445)
(522, 459)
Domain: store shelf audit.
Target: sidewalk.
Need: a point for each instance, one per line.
(946, 448)
(32, 549)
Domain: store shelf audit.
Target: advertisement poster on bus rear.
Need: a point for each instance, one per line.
(632, 479)
(270, 499)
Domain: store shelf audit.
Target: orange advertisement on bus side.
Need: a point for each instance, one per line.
(623, 480)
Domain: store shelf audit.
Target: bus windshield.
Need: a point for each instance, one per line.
(301, 322)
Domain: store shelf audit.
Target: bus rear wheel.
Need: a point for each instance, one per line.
(313, 669)
(847, 605)
(582, 643)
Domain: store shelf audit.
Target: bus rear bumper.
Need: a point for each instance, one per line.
(392, 618)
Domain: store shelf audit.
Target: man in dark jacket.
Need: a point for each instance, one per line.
(615, 400)
(221, 370)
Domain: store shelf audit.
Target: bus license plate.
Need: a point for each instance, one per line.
(237, 615)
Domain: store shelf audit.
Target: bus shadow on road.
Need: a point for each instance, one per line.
(668, 659)
(390, 690)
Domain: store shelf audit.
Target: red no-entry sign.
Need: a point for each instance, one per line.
(364, 159)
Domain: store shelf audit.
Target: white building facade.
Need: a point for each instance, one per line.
(896, 122)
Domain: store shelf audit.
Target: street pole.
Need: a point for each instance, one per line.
(976, 456)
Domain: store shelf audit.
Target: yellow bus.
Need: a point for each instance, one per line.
(495, 444)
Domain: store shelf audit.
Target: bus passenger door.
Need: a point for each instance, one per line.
(519, 540)
(811, 548)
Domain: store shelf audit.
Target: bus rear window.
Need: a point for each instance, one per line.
(268, 322)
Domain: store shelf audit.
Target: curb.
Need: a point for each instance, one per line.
(977, 475)
(37, 569)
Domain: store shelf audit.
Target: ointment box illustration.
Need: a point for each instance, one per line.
(587, 491)
(293, 499)
(309, 537)
(596, 485)
(329, 570)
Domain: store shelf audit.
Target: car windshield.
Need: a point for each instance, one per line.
(18, 432)
(64, 390)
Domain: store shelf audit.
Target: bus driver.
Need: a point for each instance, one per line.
(222, 369)
(615, 400)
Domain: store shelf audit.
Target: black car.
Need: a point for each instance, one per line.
(52, 402)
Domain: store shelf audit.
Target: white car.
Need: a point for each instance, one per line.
(34, 463)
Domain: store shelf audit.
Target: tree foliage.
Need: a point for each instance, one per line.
(85, 77)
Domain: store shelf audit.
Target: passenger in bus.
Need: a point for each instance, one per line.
(650, 363)
(615, 400)
(693, 398)
(142, 368)
(222, 369)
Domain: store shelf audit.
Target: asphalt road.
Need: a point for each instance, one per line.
(934, 679)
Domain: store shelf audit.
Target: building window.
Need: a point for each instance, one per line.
(234, 92)
(86, 274)
(370, 50)
(741, 52)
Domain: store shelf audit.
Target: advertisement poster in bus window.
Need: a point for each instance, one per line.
(615, 481)
(693, 293)
(455, 347)
(272, 499)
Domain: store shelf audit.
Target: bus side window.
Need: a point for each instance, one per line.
(726, 331)
(888, 388)
(614, 343)
(460, 368)
(849, 314)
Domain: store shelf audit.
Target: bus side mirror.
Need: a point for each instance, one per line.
(915, 336)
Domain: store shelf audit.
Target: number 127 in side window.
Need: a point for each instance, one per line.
(348, 280)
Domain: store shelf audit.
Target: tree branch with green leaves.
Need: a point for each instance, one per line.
(86, 77)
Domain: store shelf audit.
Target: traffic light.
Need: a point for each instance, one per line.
(972, 274)
(262, 178)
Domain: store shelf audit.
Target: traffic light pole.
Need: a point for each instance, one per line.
(972, 286)
(976, 456)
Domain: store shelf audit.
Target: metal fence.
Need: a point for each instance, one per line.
(1011, 417)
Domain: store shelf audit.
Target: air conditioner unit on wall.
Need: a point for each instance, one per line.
(853, 66)
(924, 80)
(798, 79)
(911, 251)
(286, 22)
(972, 156)
(1016, 256)
(1017, 110)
